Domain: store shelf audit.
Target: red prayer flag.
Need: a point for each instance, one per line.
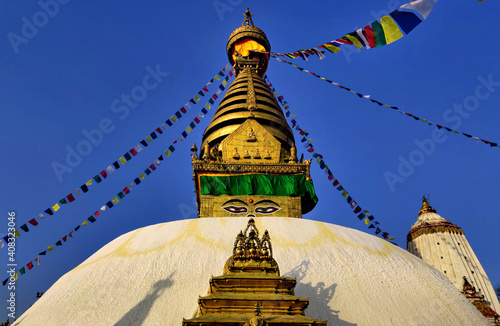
(196, 120)
(153, 167)
(126, 191)
(30, 265)
(97, 213)
(370, 36)
(158, 130)
(183, 110)
(310, 149)
(336, 183)
(485, 141)
(104, 174)
(357, 210)
(214, 96)
(330, 177)
(33, 222)
(205, 88)
(70, 198)
(64, 238)
(133, 152)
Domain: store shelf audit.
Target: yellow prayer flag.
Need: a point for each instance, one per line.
(50, 248)
(85, 223)
(424, 120)
(367, 221)
(354, 41)
(142, 176)
(15, 276)
(17, 234)
(457, 132)
(344, 194)
(167, 153)
(115, 200)
(148, 138)
(56, 207)
(224, 82)
(88, 183)
(197, 98)
(331, 48)
(391, 29)
(122, 160)
(216, 77)
(387, 106)
(366, 212)
(391, 238)
(188, 129)
(174, 119)
(207, 106)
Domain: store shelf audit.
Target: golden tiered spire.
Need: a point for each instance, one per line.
(248, 161)
(426, 208)
(251, 290)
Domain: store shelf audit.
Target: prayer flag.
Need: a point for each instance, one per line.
(344, 194)
(183, 110)
(153, 135)
(197, 98)
(137, 181)
(171, 148)
(167, 153)
(367, 221)
(142, 176)
(148, 172)
(357, 210)
(378, 231)
(97, 213)
(109, 204)
(127, 156)
(64, 238)
(55, 207)
(121, 195)
(378, 33)
(41, 216)
(33, 222)
(70, 234)
(138, 148)
(201, 93)
(22, 271)
(153, 167)
(78, 191)
(49, 211)
(91, 219)
(24, 227)
(110, 169)
(391, 29)
(97, 179)
(422, 7)
(37, 260)
(370, 37)
(178, 115)
(115, 200)
(187, 105)
(144, 143)
(174, 119)
(371, 226)
(192, 125)
(85, 223)
(406, 20)
(104, 174)
(50, 248)
(63, 201)
(122, 160)
(148, 138)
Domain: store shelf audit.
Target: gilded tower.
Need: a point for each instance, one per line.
(444, 245)
(248, 163)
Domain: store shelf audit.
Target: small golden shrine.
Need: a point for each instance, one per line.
(248, 162)
(251, 290)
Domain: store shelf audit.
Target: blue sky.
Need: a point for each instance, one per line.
(62, 80)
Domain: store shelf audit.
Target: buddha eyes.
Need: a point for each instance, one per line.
(266, 210)
(235, 209)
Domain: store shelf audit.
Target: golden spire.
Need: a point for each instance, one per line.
(426, 208)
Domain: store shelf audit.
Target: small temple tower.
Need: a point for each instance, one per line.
(444, 245)
(247, 165)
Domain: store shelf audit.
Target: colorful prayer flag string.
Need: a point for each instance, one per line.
(125, 191)
(221, 76)
(390, 28)
(428, 122)
(362, 214)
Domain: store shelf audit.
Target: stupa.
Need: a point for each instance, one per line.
(247, 173)
(443, 245)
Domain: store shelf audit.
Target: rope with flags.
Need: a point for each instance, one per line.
(221, 76)
(363, 215)
(428, 122)
(388, 29)
(120, 195)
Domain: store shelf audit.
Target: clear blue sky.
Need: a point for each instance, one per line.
(68, 72)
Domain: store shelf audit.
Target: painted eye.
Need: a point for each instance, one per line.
(235, 209)
(266, 210)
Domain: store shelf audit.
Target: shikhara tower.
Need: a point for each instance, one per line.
(444, 245)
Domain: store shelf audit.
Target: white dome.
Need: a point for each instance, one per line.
(154, 276)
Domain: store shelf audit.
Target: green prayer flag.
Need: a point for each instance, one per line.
(378, 33)
(63, 201)
(121, 194)
(22, 271)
